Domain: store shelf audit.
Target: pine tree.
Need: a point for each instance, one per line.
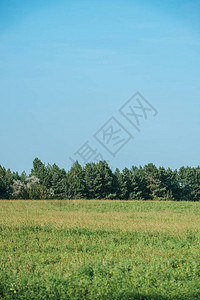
(76, 182)
(58, 183)
(40, 171)
(6, 180)
(105, 181)
(139, 188)
(92, 181)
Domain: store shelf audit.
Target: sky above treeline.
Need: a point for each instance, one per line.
(69, 76)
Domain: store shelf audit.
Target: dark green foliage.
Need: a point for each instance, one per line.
(58, 181)
(41, 172)
(105, 181)
(92, 181)
(76, 182)
(189, 179)
(6, 180)
(139, 189)
(97, 181)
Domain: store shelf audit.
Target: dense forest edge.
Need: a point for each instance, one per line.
(98, 181)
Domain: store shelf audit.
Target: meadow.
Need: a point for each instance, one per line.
(99, 249)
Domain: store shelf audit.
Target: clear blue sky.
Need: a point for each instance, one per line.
(66, 67)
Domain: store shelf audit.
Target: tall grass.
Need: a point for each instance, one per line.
(99, 250)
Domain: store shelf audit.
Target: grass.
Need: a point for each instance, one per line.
(90, 249)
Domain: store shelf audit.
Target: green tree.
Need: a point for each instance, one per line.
(6, 181)
(189, 179)
(40, 171)
(117, 183)
(152, 178)
(139, 189)
(58, 183)
(125, 184)
(76, 182)
(92, 180)
(105, 181)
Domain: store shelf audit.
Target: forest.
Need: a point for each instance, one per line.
(98, 181)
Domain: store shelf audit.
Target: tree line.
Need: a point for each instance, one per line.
(98, 181)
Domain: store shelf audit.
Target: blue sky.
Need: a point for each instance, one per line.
(66, 67)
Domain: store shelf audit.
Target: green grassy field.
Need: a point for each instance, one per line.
(90, 249)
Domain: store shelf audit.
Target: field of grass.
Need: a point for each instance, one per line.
(92, 249)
